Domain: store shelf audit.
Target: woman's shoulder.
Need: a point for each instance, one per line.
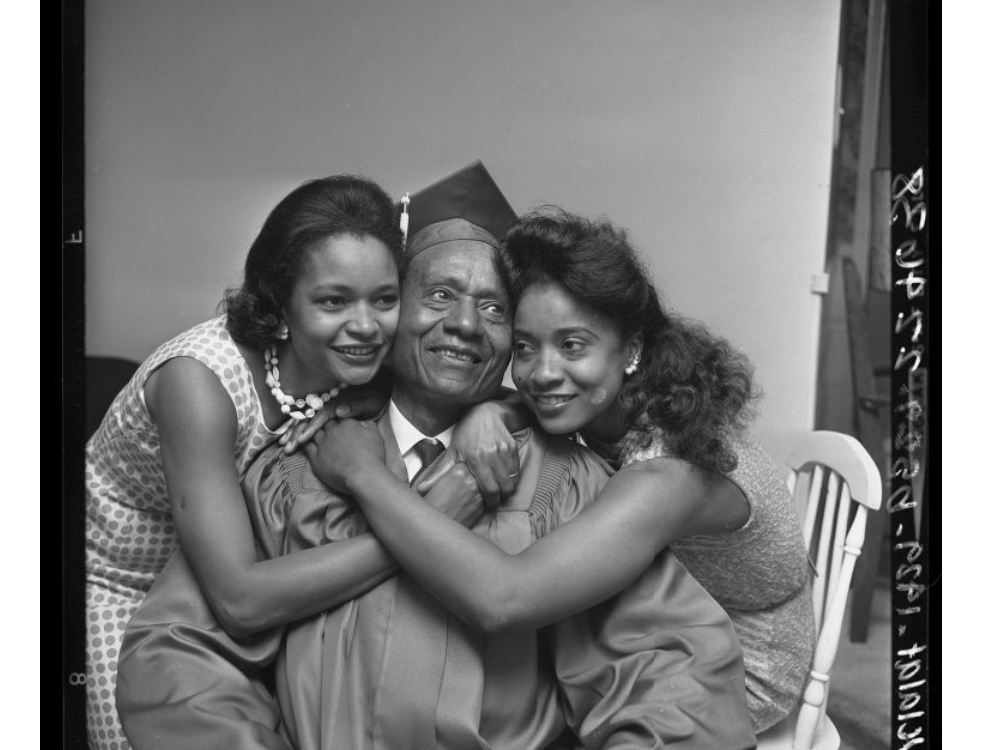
(208, 341)
(690, 499)
(662, 473)
(130, 407)
(207, 348)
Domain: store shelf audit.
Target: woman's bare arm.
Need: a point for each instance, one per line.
(639, 511)
(197, 423)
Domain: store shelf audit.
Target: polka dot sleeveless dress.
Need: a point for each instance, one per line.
(129, 531)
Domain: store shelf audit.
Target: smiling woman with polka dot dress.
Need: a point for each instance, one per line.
(317, 311)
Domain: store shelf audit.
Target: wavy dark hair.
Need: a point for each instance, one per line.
(312, 212)
(693, 385)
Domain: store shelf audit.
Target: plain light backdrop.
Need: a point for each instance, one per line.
(705, 128)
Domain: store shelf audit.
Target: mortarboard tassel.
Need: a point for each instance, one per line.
(405, 201)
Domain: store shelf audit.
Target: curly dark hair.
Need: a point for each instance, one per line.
(312, 212)
(691, 384)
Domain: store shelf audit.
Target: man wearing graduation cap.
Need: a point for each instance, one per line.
(454, 335)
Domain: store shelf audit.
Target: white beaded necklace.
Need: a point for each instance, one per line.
(306, 407)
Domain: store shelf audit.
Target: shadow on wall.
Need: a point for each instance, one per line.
(105, 378)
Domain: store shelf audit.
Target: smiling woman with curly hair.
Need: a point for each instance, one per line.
(668, 403)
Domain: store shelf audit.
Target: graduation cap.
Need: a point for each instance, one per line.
(466, 206)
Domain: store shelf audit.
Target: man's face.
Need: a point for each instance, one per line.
(454, 334)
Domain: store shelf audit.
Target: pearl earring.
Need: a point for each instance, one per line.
(632, 367)
(283, 331)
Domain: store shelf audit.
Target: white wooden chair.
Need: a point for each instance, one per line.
(834, 483)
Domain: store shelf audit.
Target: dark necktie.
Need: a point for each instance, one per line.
(428, 449)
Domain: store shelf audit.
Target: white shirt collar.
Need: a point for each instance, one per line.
(407, 434)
